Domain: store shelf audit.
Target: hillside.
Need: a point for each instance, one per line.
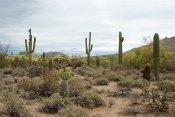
(169, 42)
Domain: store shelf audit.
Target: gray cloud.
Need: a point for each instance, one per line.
(63, 25)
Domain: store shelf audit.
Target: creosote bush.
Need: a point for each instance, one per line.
(101, 81)
(41, 86)
(55, 103)
(89, 100)
(13, 105)
(18, 72)
(36, 71)
(73, 111)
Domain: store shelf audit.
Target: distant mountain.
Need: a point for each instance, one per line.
(169, 43)
(53, 54)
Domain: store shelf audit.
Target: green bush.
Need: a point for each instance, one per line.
(89, 100)
(76, 62)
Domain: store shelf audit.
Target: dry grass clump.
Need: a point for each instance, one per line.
(13, 105)
(54, 103)
(101, 81)
(112, 76)
(73, 111)
(130, 82)
(89, 100)
(44, 86)
(76, 86)
(18, 72)
(167, 76)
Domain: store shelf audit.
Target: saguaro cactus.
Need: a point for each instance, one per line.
(50, 64)
(97, 61)
(88, 48)
(120, 54)
(156, 55)
(64, 88)
(30, 47)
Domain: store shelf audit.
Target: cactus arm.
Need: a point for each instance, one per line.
(86, 45)
(34, 43)
(27, 50)
(91, 48)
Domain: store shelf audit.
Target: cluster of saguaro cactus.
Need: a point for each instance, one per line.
(97, 61)
(156, 55)
(120, 54)
(89, 47)
(30, 47)
(146, 71)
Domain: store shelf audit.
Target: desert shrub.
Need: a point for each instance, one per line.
(73, 111)
(105, 62)
(54, 103)
(76, 87)
(36, 71)
(76, 62)
(132, 83)
(13, 105)
(7, 71)
(112, 76)
(157, 100)
(8, 81)
(1, 85)
(66, 74)
(88, 85)
(25, 83)
(111, 103)
(89, 100)
(61, 61)
(55, 74)
(18, 72)
(4, 63)
(101, 81)
(118, 67)
(122, 92)
(166, 86)
(167, 76)
(44, 86)
(95, 73)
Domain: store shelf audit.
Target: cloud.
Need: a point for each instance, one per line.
(63, 25)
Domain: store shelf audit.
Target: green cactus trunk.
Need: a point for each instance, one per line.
(30, 47)
(50, 64)
(120, 54)
(64, 88)
(156, 55)
(97, 61)
(89, 47)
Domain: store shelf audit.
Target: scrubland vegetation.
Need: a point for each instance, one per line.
(97, 86)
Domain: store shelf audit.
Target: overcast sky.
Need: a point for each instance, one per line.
(62, 25)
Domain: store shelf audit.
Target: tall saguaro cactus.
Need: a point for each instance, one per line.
(89, 47)
(156, 55)
(120, 54)
(30, 47)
